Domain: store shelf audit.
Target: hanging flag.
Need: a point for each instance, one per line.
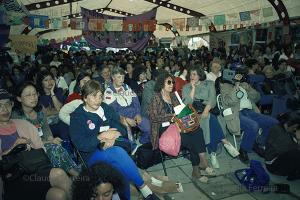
(114, 25)
(200, 28)
(65, 23)
(179, 23)
(76, 24)
(245, 16)
(232, 18)
(149, 25)
(96, 25)
(267, 12)
(38, 21)
(193, 21)
(56, 23)
(255, 14)
(219, 19)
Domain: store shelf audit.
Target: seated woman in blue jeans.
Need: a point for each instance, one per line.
(94, 128)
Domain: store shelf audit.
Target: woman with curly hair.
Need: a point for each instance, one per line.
(161, 111)
(100, 181)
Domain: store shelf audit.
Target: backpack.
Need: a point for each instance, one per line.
(254, 178)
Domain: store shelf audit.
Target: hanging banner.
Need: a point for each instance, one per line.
(267, 12)
(38, 21)
(114, 25)
(245, 16)
(149, 25)
(255, 14)
(76, 24)
(96, 24)
(56, 23)
(121, 32)
(193, 21)
(179, 23)
(24, 43)
(219, 19)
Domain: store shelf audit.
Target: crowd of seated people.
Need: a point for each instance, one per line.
(123, 93)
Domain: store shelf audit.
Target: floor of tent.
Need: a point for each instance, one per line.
(224, 186)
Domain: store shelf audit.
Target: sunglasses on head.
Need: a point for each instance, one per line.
(169, 82)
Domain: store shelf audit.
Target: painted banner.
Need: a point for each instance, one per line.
(76, 24)
(267, 12)
(121, 32)
(96, 24)
(245, 16)
(179, 23)
(24, 43)
(38, 21)
(219, 19)
(193, 21)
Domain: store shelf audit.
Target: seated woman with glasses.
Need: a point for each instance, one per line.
(161, 112)
(94, 129)
(27, 108)
(47, 183)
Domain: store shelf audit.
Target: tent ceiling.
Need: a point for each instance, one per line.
(207, 7)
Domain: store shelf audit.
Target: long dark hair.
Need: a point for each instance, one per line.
(18, 105)
(39, 81)
(84, 186)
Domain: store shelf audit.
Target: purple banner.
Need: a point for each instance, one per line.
(4, 33)
(132, 39)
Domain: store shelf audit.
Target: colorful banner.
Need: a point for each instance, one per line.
(24, 43)
(219, 19)
(267, 12)
(193, 21)
(179, 23)
(126, 38)
(245, 16)
(38, 21)
(76, 24)
(149, 25)
(96, 24)
(56, 23)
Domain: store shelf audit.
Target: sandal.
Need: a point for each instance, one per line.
(208, 172)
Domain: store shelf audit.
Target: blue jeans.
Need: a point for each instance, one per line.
(119, 159)
(216, 134)
(250, 122)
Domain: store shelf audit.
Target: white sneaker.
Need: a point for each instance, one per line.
(214, 161)
(231, 150)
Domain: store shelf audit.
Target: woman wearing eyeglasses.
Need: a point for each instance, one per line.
(27, 108)
(161, 112)
(47, 183)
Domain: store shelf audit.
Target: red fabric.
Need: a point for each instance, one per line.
(73, 96)
(179, 83)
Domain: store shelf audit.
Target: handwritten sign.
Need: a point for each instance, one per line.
(24, 43)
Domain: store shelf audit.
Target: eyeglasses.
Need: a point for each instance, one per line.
(6, 105)
(30, 95)
(169, 82)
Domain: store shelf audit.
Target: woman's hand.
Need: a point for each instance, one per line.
(52, 89)
(56, 140)
(131, 122)
(138, 119)
(110, 134)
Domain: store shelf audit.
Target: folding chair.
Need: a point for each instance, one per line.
(164, 157)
